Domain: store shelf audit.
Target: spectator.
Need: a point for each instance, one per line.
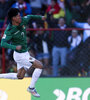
(45, 4)
(60, 43)
(86, 25)
(68, 11)
(55, 10)
(51, 21)
(83, 59)
(85, 9)
(73, 9)
(24, 7)
(61, 4)
(36, 6)
(74, 40)
(4, 6)
(42, 52)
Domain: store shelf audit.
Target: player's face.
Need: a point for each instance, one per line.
(17, 18)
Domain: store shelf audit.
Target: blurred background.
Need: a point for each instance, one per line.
(61, 42)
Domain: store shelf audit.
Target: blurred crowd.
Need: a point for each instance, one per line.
(62, 52)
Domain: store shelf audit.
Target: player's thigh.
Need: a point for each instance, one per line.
(37, 64)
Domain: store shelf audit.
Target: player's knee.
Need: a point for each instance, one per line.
(37, 64)
(20, 77)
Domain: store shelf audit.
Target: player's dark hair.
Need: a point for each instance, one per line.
(12, 12)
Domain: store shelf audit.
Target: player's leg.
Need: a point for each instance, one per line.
(35, 76)
(19, 75)
(9, 76)
(37, 64)
(37, 72)
(25, 61)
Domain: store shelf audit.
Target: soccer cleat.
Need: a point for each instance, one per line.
(33, 92)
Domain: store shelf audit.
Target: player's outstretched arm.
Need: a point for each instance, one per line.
(43, 18)
(28, 17)
(37, 17)
(4, 44)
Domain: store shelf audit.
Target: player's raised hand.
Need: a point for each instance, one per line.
(43, 18)
(19, 47)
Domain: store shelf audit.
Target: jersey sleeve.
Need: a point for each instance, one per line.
(28, 17)
(4, 41)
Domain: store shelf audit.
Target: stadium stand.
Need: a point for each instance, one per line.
(78, 54)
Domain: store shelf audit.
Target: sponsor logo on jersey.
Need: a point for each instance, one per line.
(4, 36)
(16, 32)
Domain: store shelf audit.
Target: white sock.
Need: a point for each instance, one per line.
(35, 76)
(9, 76)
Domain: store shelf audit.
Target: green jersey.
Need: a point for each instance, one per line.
(17, 34)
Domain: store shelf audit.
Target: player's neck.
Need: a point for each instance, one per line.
(15, 23)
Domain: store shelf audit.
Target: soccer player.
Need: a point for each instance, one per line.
(16, 33)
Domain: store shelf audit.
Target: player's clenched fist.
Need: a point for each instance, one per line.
(18, 47)
(43, 18)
